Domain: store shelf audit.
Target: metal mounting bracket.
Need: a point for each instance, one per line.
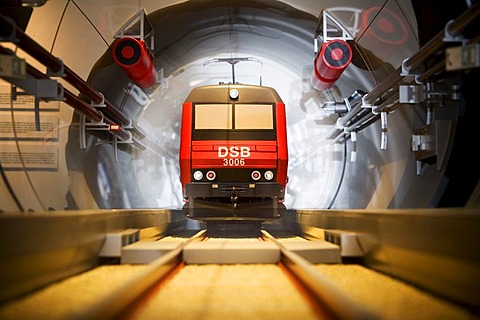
(384, 130)
(12, 37)
(139, 21)
(353, 154)
(330, 28)
(59, 73)
(85, 126)
(449, 37)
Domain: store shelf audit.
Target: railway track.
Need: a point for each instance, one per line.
(243, 276)
(290, 278)
(61, 278)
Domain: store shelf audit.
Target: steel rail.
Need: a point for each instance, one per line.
(113, 306)
(326, 293)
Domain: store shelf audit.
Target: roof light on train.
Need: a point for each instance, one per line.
(198, 175)
(234, 93)
(268, 175)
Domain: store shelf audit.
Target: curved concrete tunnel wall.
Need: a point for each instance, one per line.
(280, 35)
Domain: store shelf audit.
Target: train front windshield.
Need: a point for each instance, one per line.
(238, 121)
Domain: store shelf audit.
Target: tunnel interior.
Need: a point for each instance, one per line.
(393, 137)
(277, 37)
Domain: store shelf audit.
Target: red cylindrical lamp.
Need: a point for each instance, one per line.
(332, 59)
(133, 56)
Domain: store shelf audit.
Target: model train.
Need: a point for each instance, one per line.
(233, 153)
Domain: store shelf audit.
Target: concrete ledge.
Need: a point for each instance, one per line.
(231, 252)
(143, 252)
(348, 242)
(40, 248)
(315, 251)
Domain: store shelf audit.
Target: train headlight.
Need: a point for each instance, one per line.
(268, 175)
(198, 175)
(234, 93)
(211, 175)
(256, 175)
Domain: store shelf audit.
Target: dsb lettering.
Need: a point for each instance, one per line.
(233, 152)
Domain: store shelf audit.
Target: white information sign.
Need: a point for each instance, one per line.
(28, 137)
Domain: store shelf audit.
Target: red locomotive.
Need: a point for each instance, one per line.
(233, 153)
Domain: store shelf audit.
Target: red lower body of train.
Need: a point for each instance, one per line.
(233, 153)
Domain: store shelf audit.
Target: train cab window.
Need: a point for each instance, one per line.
(213, 116)
(254, 116)
(240, 121)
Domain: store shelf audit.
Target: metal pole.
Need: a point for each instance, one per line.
(54, 64)
(454, 28)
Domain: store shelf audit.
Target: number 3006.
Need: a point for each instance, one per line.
(234, 162)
